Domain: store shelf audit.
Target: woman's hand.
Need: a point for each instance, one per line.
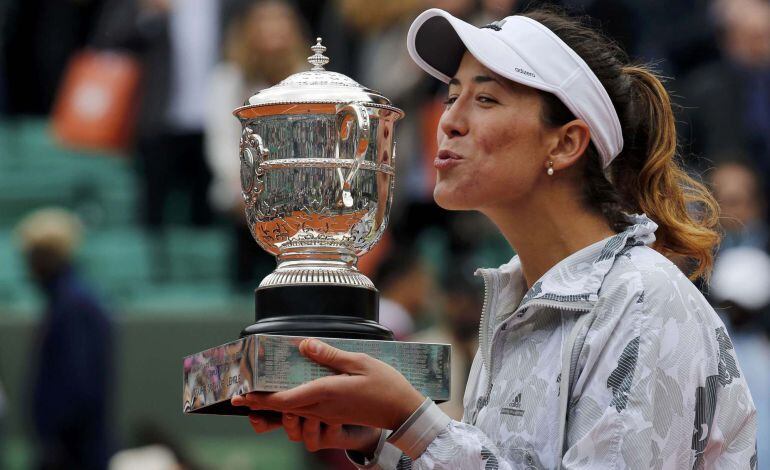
(317, 435)
(367, 392)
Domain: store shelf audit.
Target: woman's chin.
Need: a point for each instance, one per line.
(450, 200)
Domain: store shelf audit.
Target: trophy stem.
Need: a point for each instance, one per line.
(329, 256)
(318, 291)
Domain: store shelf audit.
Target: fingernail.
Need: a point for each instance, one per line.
(313, 346)
(237, 400)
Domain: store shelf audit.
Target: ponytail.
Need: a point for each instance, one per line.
(645, 176)
(685, 211)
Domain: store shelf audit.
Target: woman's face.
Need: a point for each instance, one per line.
(491, 141)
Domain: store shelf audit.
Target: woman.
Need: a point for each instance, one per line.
(596, 351)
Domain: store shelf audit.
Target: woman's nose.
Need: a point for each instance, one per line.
(454, 122)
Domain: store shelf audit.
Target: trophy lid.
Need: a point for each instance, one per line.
(316, 85)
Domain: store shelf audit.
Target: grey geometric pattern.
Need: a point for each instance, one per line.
(612, 247)
(533, 292)
(620, 379)
(404, 463)
(490, 458)
(536, 293)
(728, 367)
(705, 405)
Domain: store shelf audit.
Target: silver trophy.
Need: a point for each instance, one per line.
(317, 173)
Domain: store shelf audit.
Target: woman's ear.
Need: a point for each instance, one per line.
(571, 143)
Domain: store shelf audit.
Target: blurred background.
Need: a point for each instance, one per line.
(123, 245)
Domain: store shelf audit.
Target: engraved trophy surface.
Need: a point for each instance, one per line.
(317, 157)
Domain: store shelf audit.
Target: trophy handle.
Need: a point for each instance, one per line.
(347, 113)
(253, 153)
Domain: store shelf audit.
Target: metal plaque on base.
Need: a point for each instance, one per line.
(272, 363)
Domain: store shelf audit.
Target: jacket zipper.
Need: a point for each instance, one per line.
(486, 353)
(484, 318)
(483, 343)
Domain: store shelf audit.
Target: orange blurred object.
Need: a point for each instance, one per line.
(96, 105)
(371, 260)
(430, 115)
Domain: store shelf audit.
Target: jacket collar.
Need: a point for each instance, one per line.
(575, 279)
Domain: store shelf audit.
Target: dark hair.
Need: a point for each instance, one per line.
(645, 176)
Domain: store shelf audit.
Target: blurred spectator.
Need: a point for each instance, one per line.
(494, 10)
(3, 85)
(406, 291)
(676, 36)
(312, 11)
(177, 42)
(616, 18)
(150, 457)
(264, 43)
(37, 38)
(740, 282)
(729, 99)
(3, 408)
(383, 64)
(458, 325)
(743, 217)
(4, 7)
(153, 449)
(70, 386)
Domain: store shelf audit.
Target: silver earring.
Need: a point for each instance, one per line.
(550, 169)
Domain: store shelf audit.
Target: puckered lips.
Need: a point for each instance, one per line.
(446, 159)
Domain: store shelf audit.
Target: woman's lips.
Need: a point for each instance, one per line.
(446, 159)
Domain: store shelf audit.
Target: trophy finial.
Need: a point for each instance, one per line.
(318, 60)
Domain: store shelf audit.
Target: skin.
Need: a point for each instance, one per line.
(735, 188)
(502, 149)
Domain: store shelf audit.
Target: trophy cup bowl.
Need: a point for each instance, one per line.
(317, 177)
(317, 158)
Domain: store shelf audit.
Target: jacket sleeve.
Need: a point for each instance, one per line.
(429, 439)
(657, 383)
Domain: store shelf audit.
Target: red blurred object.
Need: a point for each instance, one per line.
(430, 115)
(96, 105)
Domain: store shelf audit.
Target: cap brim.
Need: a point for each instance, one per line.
(437, 42)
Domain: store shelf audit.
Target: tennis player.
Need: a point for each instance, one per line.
(595, 351)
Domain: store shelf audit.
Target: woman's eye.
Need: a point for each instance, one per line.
(450, 100)
(486, 100)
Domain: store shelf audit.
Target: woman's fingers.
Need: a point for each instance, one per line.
(307, 394)
(262, 423)
(292, 426)
(302, 397)
(335, 433)
(311, 434)
(253, 400)
(337, 359)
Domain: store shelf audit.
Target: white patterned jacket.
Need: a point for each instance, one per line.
(653, 378)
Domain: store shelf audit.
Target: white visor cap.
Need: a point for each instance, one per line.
(524, 51)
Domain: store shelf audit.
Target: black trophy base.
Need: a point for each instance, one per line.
(318, 310)
(323, 326)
